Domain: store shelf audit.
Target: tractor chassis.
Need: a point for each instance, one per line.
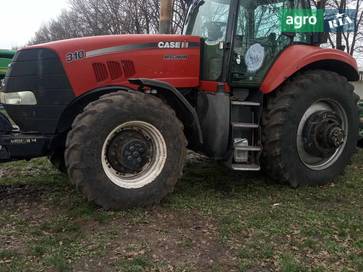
(16, 145)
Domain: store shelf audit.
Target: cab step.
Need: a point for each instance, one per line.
(248, 148)
(246, 167)
(245, 103)
(244, 125)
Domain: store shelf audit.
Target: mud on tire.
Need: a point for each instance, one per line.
(284, 160)
(105, 175)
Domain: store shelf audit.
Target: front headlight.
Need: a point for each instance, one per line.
(26, 98)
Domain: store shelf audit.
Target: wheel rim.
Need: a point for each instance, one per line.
(322, 134)
(134, 154)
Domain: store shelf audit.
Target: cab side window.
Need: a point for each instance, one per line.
(211, 24)
(258, 37)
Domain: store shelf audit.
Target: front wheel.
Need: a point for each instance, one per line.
(127, 149)
(310, 129)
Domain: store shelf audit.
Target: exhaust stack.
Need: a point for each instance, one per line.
(166, 15)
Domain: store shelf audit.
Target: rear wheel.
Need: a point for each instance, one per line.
(127, 149)
(310, 129)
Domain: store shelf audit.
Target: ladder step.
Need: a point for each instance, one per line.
(248, 148)
(246, 103)
(245, 125)
(246, 167)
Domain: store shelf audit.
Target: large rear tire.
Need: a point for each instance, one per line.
(126, 149)
(310, 129)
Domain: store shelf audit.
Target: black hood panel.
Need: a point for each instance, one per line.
(40, 71)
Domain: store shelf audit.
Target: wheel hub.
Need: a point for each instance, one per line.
(323, 134)
(134, 154)
(129, 152)
(336, 137)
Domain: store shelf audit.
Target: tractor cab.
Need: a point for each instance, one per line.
(242, 38)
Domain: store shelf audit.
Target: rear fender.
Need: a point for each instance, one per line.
(303, 57)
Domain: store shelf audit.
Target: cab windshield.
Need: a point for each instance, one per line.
(208, 19)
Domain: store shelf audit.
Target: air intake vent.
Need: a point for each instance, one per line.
(115, 69)
(129, 68)
(100, 70)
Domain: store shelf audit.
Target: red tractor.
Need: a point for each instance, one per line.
(119, 112)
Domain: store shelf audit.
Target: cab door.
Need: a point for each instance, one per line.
(257, 41)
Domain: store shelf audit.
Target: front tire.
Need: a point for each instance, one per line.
(126, 149)
(310, 129)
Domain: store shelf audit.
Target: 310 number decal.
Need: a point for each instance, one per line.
(74, 56)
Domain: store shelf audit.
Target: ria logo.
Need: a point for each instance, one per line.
(336, 21)
(341, 20)
(173, 45)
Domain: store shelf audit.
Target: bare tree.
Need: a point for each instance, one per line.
(351, 42)
(105, 17)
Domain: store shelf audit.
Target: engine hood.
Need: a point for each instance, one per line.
(101, 42)
(94, 62)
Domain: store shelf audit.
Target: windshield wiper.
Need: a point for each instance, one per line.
(193, 7)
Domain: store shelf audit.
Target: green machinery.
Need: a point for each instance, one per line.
(5, 58)
(361, 121)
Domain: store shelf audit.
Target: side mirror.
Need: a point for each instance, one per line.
(289, 34)
(319, 38)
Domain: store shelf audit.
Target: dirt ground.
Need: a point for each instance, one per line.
(216, 220)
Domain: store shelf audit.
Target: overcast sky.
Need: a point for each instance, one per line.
(20, 19)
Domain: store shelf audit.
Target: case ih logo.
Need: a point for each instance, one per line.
(172, 45)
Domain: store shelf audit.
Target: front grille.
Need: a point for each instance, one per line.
(129, 68)
(38, 70)
(115, 69)
(100, 71)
